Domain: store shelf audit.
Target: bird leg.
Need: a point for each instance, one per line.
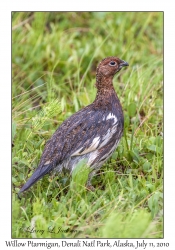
(88, 184)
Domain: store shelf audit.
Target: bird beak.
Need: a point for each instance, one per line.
(123, 63)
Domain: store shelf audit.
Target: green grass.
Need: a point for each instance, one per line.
(54, 59)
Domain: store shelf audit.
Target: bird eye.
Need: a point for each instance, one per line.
(112, 63)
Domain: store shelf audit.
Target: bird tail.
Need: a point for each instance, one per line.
(37, 175)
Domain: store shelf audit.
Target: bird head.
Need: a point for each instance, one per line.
(109, 66)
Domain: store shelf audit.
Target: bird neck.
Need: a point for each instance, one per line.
(104, 85)
(103, 81)
(106, 96)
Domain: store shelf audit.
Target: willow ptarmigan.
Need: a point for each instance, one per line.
(92, 133)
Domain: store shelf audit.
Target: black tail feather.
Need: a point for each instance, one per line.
(37, 175)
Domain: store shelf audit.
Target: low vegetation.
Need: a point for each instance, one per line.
(54, 59)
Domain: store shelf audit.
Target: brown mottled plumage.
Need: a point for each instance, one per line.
(92, 133)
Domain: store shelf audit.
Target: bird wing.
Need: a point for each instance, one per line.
(83, 132)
